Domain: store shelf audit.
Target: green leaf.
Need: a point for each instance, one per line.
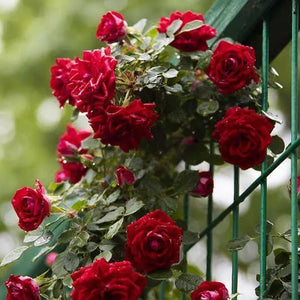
(176, 24)
(277, 145)
(207, 108)
(190, 237)
(269, 227)
(90, 175)
(77, 206)
(58, 288)
(75, 115)
(31, 236)
(114, 229)
(161, 275)
(140, 25)
(172, 73)
(191, 26)
(45, 238)
(67, 235)
(91, 246)
(43, 251)
(186, 181)
(132, 206)
(168, 205)
(175, 89)
(238, 244)
(107, 255)
(13, 255)
(144, 57)
(71, 262)
(188, 282)
(111, 216)
(90, 143)
(113, 197)
(58, 265)
(195, 153)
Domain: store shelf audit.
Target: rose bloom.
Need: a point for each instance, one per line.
(60, 79)
(50, 258)
(112, 28)
(103, 281)
(21, 288)
(243, 137)
(192, 40)
(70, 171)
(31, 206)
(92, 79)
(232, 67)
(153, 242)
(210, 290)
(123, 126)
(124, 175)
(70, 141)
(205, 185)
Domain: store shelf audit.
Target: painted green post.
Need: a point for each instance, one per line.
(263, 191)
(294, 133)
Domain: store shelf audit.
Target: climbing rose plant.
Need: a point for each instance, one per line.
(156, 98)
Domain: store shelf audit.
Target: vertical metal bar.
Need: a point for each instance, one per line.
(162, 291)
(209, 243)
(263, 191)
(235, 232)
(294, 131)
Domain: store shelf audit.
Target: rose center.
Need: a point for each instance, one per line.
(156, 245)
(229, 64)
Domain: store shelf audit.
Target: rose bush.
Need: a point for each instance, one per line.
(31, 206)
(102, 280)
(21, 287)
(243, 137)
(153, 242)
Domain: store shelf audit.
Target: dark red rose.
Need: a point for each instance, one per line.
(243, 137)
(107, 281)
(210, 290)
(205, 185)
(153, 242)
(112, 28)
(232, 67)
(123, 126)
(60, 79)
(124, 176)
(21, 288)
(193, 40)
(70, 171)
(70, 141)
(92, 79)
(31, 206)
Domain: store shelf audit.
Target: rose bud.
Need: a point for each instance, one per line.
(50, 258)
(124, 176)
(103, 280)
(232, 67)
(212, 290)
(205, 185)
(112, 28)
(21, 287)
(153, 242)
(31, 206)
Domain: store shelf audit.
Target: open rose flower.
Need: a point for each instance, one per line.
(192, 40)
(124, 175)
(112, 28)
(92, 79)
(232, 67)
(60, 79)
(153, 242)
(102, 280)
(31, 206)
(210, 290)
(243, 137)
(123, 126)
(70, 141)
(205, 185)
(21, 288)
(70, 171)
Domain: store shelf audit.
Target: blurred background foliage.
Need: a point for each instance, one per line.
(32, 34)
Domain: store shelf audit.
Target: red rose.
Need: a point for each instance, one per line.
(70, 141)
(124, 176)
(123, 126)
(92, 79)
(193, 40)
(60, 79)
(212, 290)
(31, 206)
(232, 67)
(103, 281)
(21, 287)
(112, 28)
(50, 258)
(70, 171)
(153, 242)
(243, 137)
(205, 185)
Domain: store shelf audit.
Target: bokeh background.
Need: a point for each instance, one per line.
(32, 34)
